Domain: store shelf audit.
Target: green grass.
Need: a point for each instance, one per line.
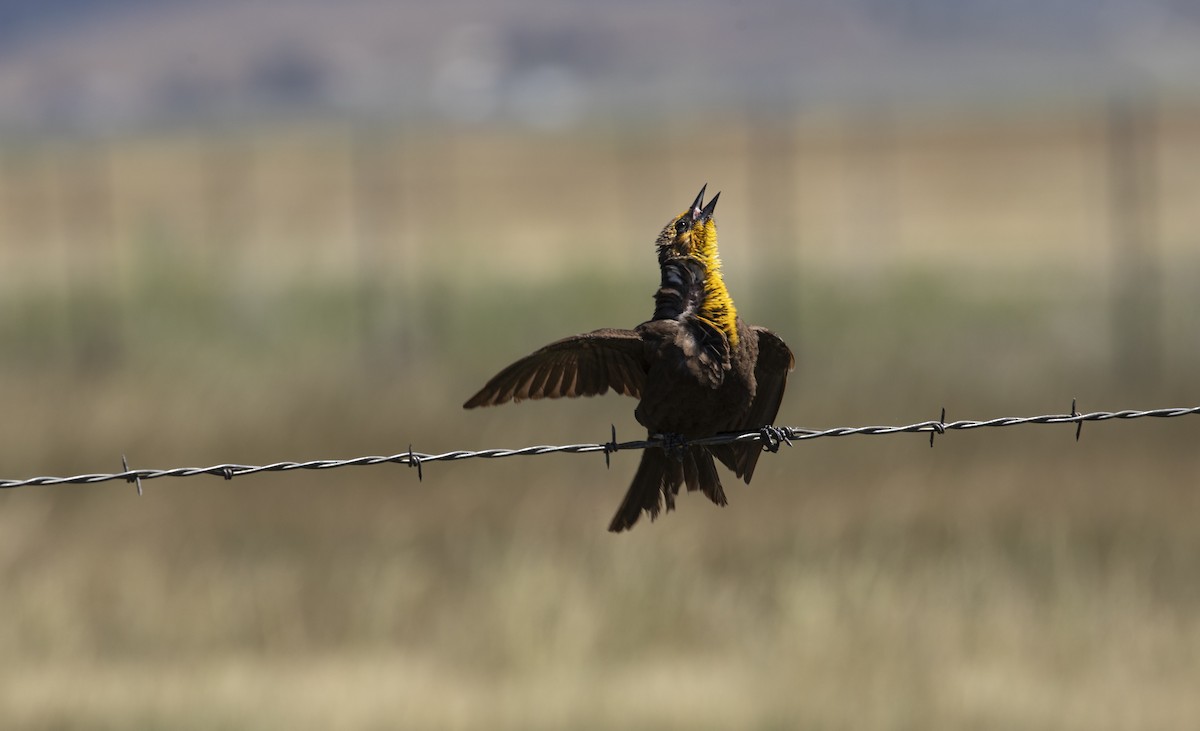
(1007, 579)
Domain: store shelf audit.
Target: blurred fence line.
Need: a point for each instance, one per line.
(1088, 187)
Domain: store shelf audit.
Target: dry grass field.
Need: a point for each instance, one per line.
(310, 294)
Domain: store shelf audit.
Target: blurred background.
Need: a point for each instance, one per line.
(287, 230)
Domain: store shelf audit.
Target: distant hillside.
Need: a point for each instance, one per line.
(21, 20)
(77, 65)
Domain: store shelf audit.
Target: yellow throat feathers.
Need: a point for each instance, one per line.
(717, 308)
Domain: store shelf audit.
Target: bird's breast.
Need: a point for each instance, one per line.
(693, 388)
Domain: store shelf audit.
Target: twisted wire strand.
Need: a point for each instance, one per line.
(769, 437)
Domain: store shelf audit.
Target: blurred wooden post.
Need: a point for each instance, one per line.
(772, 198)
(374, 194)
(639, 157)
(88, 228)
(1133, 178)
(871, 154)
(365, 175)
(6, 205)
(227, 199)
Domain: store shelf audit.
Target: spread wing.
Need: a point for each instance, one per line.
(771, 369)
(581, 365)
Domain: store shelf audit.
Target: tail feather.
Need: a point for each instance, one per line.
(644, 492)
(710, 481)
(690, 471)
(657, 482)
(739, 458)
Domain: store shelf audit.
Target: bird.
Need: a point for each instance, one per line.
(695, 366)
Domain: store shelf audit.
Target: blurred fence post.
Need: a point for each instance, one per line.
(7, 207)
(87, 229)
(227, 199)
(870, 152)
(5, 204)
(773, 196)
(372, 196)
(638, 156)
(1133, 186)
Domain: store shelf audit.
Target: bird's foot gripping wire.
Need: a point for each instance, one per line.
(773, 437)
(673, 445)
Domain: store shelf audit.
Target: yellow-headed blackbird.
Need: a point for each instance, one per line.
(696, 367)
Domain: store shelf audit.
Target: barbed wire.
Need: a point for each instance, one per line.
(770, 437)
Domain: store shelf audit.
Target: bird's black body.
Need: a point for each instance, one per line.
(695, 366)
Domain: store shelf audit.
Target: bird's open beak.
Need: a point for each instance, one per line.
(702, 211)
(698, 204)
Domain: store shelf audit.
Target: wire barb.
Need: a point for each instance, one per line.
(610, 447)
(1079, 423)
(938, 427)
(416, 459)
(772, 438)
(135, 478)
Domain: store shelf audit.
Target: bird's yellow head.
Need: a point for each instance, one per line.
(693, 235)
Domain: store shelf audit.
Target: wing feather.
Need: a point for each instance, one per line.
(554, 378)
(534, 381)
(774, 362)
(587, 375)
(582, 365)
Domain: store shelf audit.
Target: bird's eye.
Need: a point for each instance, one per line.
(680, 226)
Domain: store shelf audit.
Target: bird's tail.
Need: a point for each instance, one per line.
(658, 479)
